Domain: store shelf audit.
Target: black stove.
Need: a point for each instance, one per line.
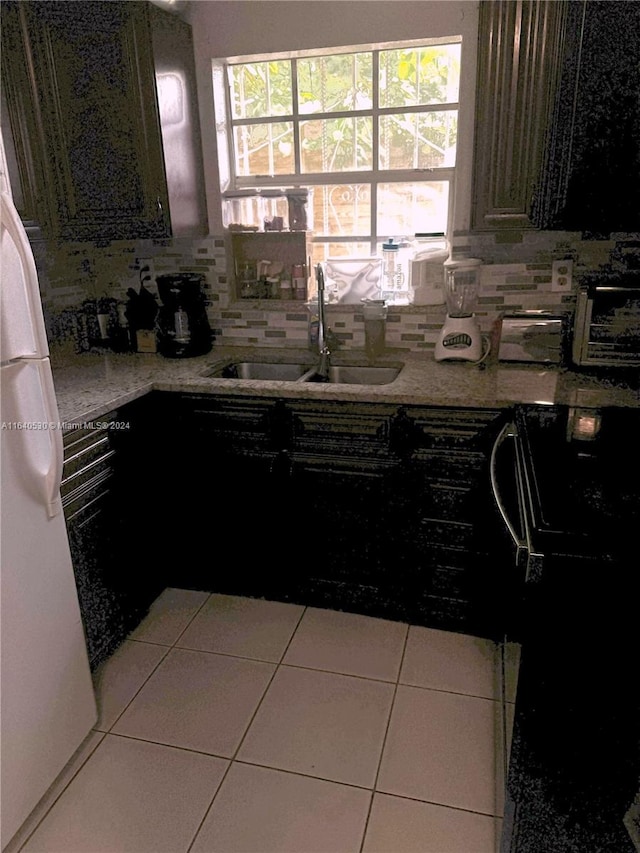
(575, 757)
(583, 477)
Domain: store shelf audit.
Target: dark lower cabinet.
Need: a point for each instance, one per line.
(367, 507)
(376, 509)
(448, 519)
(219, 508)
(343, 486)
(106, 490)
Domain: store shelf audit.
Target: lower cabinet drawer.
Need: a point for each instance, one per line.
(447, 613)
(447, 502)
(449, 534)
(450, 582)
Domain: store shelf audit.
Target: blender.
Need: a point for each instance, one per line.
(460, 337)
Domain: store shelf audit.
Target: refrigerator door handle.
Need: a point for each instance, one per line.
(30, 416)
(53, 474)
(26, 336)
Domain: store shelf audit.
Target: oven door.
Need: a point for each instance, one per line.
(521, 566)
(571, 732)
(512, 495)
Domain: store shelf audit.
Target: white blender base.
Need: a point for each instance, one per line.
(460, 339)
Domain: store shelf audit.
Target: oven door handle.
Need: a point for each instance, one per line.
(508, 432)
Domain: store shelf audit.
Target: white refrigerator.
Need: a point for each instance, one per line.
(47, 700)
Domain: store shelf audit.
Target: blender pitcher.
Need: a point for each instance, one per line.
(462, 281)
(460, 337)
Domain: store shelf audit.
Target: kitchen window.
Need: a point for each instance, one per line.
(372, 132)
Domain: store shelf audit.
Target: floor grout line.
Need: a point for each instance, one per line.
(386, 733)
(233, 759)
(57, 798)
(253, 716)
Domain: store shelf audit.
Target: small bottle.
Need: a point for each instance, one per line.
(273, 289)
(299, 282)
(299, 213)
(286, 291)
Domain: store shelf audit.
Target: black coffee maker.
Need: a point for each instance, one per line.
(183, 326)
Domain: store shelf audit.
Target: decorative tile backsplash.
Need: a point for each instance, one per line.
(516, 275)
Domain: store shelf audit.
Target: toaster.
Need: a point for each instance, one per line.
(532, 336)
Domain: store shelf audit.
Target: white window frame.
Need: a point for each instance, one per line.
(225, 125)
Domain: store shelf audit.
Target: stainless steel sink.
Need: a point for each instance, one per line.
(361, 375)
(274, 371)
(339, 374)
(343, 374)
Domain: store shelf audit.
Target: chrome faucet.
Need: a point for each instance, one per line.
(324, 352)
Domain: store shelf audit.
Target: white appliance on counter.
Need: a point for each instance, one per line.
(47, 702)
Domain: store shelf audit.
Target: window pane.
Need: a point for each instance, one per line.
(335, 83)
(260, 89)
(321, 251)
(418, 140)
(336, 145)
(427, 75)
(342, 210)
(264, 149)
(409, 208)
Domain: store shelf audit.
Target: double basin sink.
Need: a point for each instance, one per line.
(340, 374)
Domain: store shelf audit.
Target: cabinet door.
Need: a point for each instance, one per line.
(518, 64)
(592, 170)
(446, 480)
(179, 118)
(344, 495)
(224, 518)
(95, 539)
(91, 93)
(108, 505)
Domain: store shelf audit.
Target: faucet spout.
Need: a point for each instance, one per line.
(324, 352)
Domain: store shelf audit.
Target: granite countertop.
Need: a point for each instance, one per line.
(89, 385)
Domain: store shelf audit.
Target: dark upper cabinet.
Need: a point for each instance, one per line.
(591, 179)
(557, 139)
(518, 65)
(176, 90)
(81, 89)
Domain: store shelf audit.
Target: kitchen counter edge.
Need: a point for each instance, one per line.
(91, 384)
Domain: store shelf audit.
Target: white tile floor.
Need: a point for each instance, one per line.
(235, 725)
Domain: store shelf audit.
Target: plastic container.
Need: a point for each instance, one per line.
(426, 269)
(242, 210)
(275, 210)
(395, 272)
(299, 208)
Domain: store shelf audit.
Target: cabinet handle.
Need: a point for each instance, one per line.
(160, 208)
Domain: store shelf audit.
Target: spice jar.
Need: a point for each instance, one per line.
(286, 291)
(274, 210)
(241, 210)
